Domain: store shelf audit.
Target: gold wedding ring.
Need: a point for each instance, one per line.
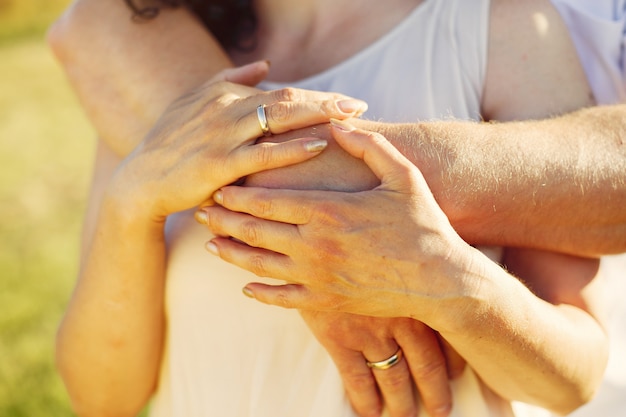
(260, 114)
(387, 363)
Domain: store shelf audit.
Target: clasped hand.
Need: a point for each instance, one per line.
(311, 239)
(385, 252)
(206, 140)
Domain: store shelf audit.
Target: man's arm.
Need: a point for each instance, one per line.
(556, 184)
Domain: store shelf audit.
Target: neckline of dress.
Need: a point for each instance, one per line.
(367, 50)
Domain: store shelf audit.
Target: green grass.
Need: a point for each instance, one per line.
(27, 18)
(46, 148)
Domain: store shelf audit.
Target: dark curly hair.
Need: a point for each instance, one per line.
(232, 22)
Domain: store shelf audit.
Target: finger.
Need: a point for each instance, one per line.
(385, 161)
(286, 296)
(455, 362)
(290, 94)
(283, 116)
(250, 74)
(359, 382)
(395, 384)
(254, 232)
(428, 367)
(248, 160)
(287, 206)
(260, 262)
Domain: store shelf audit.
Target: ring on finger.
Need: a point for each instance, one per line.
(387, 363)
(260, 114)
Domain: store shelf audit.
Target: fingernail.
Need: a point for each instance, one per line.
(351, 106)
(342, 125)
(316, 145)
(201, 217)
(247, 292)
(443, 411)
(218, 197)
(212, 248)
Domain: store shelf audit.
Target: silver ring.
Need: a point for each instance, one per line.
(260, 114)
(387, 363)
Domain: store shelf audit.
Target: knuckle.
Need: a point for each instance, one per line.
(281, 112)
(257, 266)
(283, 299)
(429, 369)
(262, 207)
(251, 233)
(360, 382)
(329, 108)
(288, 94)
(262, 156)
(395, 379)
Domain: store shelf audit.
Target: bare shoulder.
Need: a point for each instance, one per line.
(533, 70)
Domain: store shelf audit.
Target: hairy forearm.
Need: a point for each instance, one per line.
(557, 184)
(126, 73)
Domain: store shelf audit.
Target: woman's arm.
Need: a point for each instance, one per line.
(110, 340)
(126, 73)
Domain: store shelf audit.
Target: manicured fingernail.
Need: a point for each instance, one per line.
(351, 106)
(201, 217)
(212, 248)
(342, 125)
(218, 197)
(316, 145)
(247, 292)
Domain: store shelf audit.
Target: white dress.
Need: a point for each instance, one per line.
(229, 356)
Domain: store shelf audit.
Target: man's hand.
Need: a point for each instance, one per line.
(423, 371)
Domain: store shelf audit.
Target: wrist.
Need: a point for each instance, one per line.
(131, 205)
(471, 290)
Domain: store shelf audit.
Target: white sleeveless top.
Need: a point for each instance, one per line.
(229, 356)
(598, 30)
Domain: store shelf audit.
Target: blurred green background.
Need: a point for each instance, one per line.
(46, 149)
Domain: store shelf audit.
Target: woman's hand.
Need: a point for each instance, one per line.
(205, 140)
(341, 251)
(423, 369)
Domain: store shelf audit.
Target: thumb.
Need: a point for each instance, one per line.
(392, 168)
(249, 74)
